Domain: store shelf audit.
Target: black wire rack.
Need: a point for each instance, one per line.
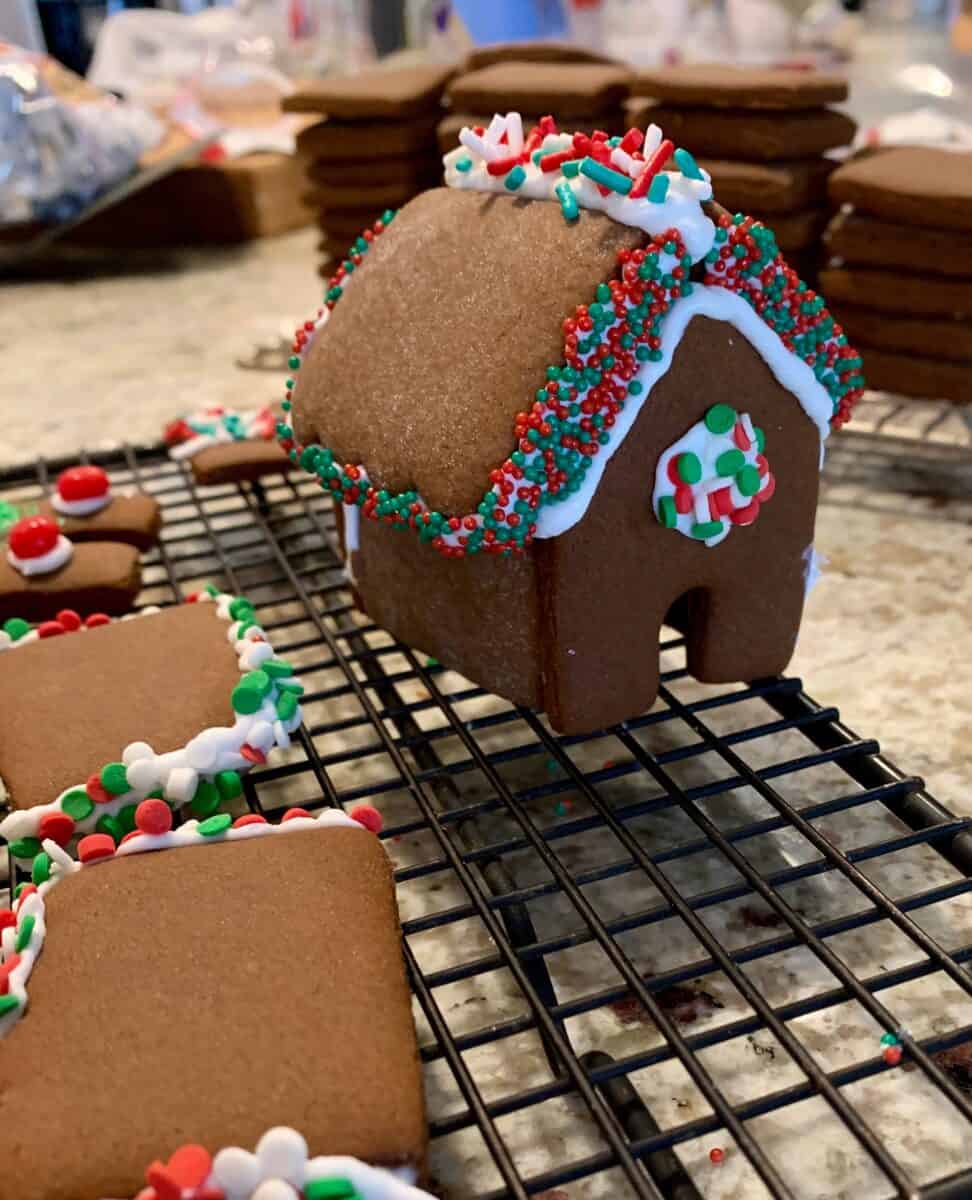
(656, 961)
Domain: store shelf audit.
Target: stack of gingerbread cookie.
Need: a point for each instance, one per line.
(761, 134)
(900, 275)
(373, 150)
(580, 90)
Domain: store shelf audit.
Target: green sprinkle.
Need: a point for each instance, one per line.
(730, 461)
(114, 778)
(15, 628)
(571, 168)
(212, 590)
(205, 800)
(605, 176)
(667, 513)
(335, 1188)
(689, 467)
(77, 804)
(214, 826)
(568, 201)
(706, 529)
(659, 188)
(228, 784)
(463, 165)
(889, 1040)
(240, 608)
(25, 847)
(126, 817)
(276, 668)
(7, 1005)
(748, 481)
(24, 933)
(687, 164)
(515, 178)
(720, 418)
(760, 439)
(290, 685)
(249, 692)
(111, 826)
(286, 706)
(40, 870)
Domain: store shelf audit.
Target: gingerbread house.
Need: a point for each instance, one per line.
(559, 399)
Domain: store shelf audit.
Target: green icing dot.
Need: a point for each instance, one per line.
(689, 467)
(40, 870)
(335, 1188)
(667, 514)
(214, 826)
(720, 418)
(111, 826)
(114, 778)
(706, 529)
(748, 481)
(16, 627)
(24, 932)
(249, 692)
(77, 804)
(760, 439)
(206, 799)
(730, 461)
(229, 784)
(8, 1004)
(25, 847)
(276, 668)
(126, 817)
(290, 685)
(286, 706)
(240, 609)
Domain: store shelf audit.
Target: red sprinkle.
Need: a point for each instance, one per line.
(6, 970)
(95, 846)
(69, 619)
(367, 816)
(96, 790)
(166, 1187)
(292, 814)
(189, 1165)
(97, 619)
(57, 826)
(502, 166)
(7, 918)
(49, 629)
(252, 754)
(249, 819)
(651, 168)
(716, 1155)
(153, 816)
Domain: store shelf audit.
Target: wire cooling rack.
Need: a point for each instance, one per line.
(656, 961)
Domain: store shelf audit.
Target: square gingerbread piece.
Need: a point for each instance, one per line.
(251, 983)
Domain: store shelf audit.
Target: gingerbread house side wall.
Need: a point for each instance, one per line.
(608, 581)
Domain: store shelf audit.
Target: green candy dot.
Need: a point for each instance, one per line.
(240, 608)
(77, 804)
(111, 826)
(214, 826)
(249, 692)
(286, 706)
(205, 801)
(748, 481)
(689, 467)
(40, 870)
(290, 685)
(760, 439)
(16, 627)
(331, 1189)
(667, 513)
(889, 1039)
(8, 1004)
(276, 668)
(25, 847)
(730, 461)
(706, 529)
(114, 778)
(228, 784)
(720, 418)
(126, 818)
(24, 933)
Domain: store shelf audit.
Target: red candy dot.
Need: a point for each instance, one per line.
(96, 790)
(95, 846)
(153, 816)
(892, 1055)
(6, 970)
(7, 918)
(252, 754)
(49, 629)
(27, 890)
(57, 826)
(68, 619)
(716, 1155)
(249, 819)
(128, 836)
(82, 483)
(30, 537)
(97, 619)
(189, 1165)
(162, 1183)
(367, 816)
(293, 813)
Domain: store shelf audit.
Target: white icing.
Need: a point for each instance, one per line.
(81, 508)
(681, 208)
(8, 643)
(352, 524)
(59, 554)
(217, 425)
(813, 565)
(178, 771)
(791, 372)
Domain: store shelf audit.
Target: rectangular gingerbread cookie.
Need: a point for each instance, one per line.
(177, 701)
(872, 242)
(898, 292)
(252, 979)
(915, 375)
(350, 140)
(407, 169)
(780, 187)
(718, 85)
(451, 124)
(538, 88)
(795, 231)
(911, 185)
(381, 94)
(926, 337)
(133, 518)
(97, 577)
(334, 195)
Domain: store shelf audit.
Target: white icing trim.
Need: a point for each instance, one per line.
(352, 527)
(791, 372)
(44, 564)
(179, 772)
(63, 864)
(8, 643)
(219, 426)
(81, 508)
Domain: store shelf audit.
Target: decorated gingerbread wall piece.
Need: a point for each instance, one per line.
(223, 445)
(498, 416)
(88, 508)
(232, 703)
(312, 1028)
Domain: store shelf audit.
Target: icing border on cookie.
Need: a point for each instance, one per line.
(205, 773)
(23, 927)
(217, 426)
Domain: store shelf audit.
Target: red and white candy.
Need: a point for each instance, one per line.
(36, 546)
(81, 491)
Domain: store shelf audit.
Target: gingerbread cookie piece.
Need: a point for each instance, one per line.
(535, 52)
(335, 197)
(869, 241)
(396, 94)
(42, 571)
(536, 88)
(303, 1020)
(738, 133)
(795, 231)
(225, 446)
(716, 85)
(88, 509)
(781, 187)
(371, 172)
(912, 375)
(899, 292)
(910, 185)
(232, 703)
(342, 141)
(923, 336)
